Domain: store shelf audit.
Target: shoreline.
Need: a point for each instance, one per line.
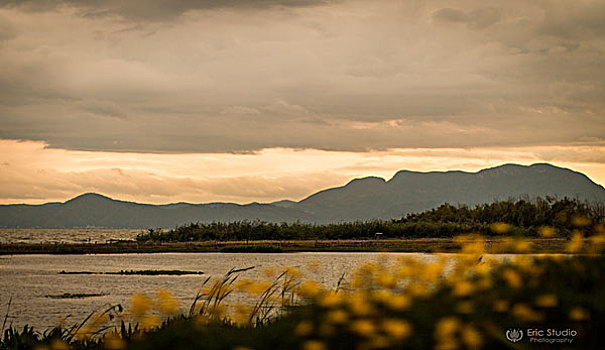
(426, 245)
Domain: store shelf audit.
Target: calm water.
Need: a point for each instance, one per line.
(75, 235)
(30, 278)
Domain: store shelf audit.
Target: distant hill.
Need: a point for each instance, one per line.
(411, 191)
(361, 199)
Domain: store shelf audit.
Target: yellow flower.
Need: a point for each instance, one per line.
(363, 327)
(113, 341)
(293, 272)
(216, 311)
(396, 329)
(97, 321)
(304, 329)
(406, 271)
(462, 288)
(500, 305)
(167, 304)
(241, 314)
(359, 304)
(140, 304)
(472, 244)
(500, 227)
(206, 290)
(522, 246)
(314, 345)
(432, 271)
(83, 333)
(578, 314)
(337, 316)
(399, 302)
(383, 295)
(59, 344)
(242, 284)
(576, 242)
(547, 300)
(386, 280)
(525, 263)
(471, 337)
(330, 300)
(547, 231)
(309, 289)
(150, 321)
(256, 287)
(524, 312)
(512, 277)
(269, 272)
(418, 289)
(482, 269)
(368, 267)
(446, 327)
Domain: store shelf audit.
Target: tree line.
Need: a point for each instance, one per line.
(521, 217)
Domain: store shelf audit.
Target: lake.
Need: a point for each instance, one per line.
(29, 279)
(65, 235)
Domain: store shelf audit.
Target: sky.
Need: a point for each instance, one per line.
(260, 100)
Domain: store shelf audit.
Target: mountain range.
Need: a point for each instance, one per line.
(359, 200)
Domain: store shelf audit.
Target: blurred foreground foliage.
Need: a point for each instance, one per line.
(443, 301)
(514, 217)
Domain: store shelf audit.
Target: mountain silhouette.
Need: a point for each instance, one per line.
(361, 199)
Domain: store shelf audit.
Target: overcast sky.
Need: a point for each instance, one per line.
(258, 100)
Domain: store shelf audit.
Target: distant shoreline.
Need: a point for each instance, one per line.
(428, 245)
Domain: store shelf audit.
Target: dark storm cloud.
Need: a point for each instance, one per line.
(154, 10)
(355, 75)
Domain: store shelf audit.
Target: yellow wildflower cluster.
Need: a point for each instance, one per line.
(149, 312)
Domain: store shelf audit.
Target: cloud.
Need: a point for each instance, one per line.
(476, 19)
(240, 110)
(339, 75)
(7, 30)
(152, 10)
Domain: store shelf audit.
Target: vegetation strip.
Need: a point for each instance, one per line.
(513, 217)
(430, 245)
(75, 295)
(135, 272)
